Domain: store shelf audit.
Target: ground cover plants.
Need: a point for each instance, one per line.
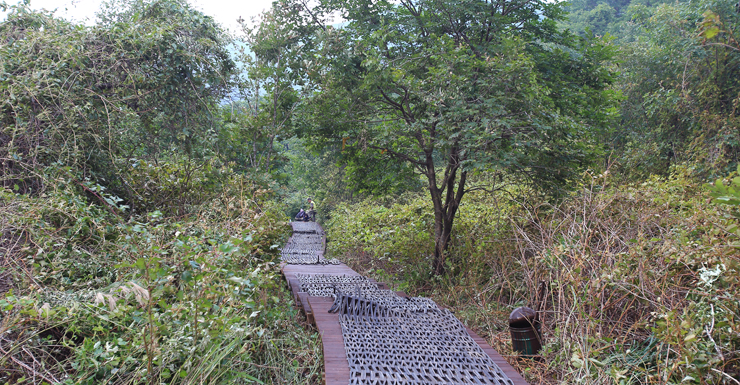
(635, 284)
(91, 297)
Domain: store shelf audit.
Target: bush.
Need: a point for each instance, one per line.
(631, 282)
(395, 241)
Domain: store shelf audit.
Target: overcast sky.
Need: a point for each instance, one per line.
(225, 12)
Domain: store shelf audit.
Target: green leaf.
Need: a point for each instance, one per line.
(141, 264)
(227, 248)
(710, 32)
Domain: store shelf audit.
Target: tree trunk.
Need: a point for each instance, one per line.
(442, 232)
(445, 211)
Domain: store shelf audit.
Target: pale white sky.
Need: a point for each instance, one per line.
(225, 12)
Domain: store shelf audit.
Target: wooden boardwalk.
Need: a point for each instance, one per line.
(316, 309)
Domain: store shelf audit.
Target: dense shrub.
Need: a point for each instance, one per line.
(142, 83)
(395, 241)
(632, 281)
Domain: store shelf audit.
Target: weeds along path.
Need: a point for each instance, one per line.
(373, 335)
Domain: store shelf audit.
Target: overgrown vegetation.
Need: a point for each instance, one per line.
(151, 299)
(136, 247)
(634, 284)
(634, 271)
(446, 89)
(148, 163)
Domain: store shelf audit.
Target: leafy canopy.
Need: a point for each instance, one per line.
(492, 84)
(446, 88)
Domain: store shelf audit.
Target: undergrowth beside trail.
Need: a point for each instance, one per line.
(635, 284)
(91, 296)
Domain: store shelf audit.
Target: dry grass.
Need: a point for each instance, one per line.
(12, 240)
(629, 281)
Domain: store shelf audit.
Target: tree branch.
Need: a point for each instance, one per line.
(397, 155)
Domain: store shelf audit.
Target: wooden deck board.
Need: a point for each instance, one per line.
(307, 310)
(495, 356)
(290, 270)
(498, 359)
(336, 366)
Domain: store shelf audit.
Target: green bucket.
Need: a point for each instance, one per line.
(527, 341)
(526, 332)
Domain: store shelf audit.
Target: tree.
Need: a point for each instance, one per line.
(450, 88)
(271, 55)
(145, 80)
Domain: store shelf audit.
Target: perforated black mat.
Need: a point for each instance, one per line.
(390, 339)
(424, 348)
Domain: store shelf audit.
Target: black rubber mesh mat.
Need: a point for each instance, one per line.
(340, 286)
(420, 348)
(306, 246)
(391, 339)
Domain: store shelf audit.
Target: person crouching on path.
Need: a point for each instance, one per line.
(302, 216)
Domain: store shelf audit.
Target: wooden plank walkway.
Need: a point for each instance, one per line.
(336, 365)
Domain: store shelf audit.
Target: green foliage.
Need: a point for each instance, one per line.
(656, 238)
(133, 248)
(618, 18)
(374, 237)
(178, 185)
(139, 223)
(597, 20)
(151, 299)
(728, 195)
(143, 82)
(371, 174)
(681, 86)
(271, 52)
(394, 239)
(478, 90)
(447, 90)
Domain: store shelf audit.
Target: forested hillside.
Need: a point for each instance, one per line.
(579, 158)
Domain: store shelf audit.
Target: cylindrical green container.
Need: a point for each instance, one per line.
(526, 332)
(526, 341)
